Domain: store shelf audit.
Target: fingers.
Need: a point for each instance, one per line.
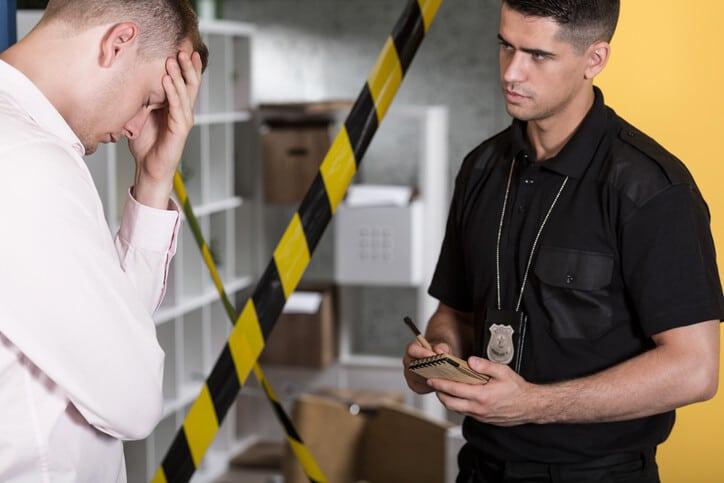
(185, 72)
(172, 97)
(191, 70)
(173, 69)
(441, 348)
(198, 66)
(416, 351)
(456, 389)
(484, 366)
(415, 382)
(461, 406)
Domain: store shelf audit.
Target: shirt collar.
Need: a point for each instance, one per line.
(575, 156)
(30, 99)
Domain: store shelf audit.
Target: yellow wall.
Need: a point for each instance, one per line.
(666, 77)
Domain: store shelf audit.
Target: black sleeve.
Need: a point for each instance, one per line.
(669, 262)
(449, 283)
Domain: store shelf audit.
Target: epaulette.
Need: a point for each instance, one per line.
(673, 168)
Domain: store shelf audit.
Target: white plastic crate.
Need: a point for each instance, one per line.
(379, 245)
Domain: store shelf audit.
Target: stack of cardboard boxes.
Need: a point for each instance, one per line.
(295, 139)
(365, 436)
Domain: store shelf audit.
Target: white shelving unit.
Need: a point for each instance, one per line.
(192, 325)
(427, 160)
(420, 132)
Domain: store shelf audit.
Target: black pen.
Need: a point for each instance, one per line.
(420, 338)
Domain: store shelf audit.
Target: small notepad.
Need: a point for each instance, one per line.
(446, 366)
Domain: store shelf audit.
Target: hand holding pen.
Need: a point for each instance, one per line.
(419, 349)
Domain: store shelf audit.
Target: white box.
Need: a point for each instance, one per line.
(379, 245)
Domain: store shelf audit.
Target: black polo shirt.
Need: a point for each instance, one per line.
(627, 253)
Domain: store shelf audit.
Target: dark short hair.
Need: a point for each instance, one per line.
(582, 22)
(165, 24)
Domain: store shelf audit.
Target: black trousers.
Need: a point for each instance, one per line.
(615, 468)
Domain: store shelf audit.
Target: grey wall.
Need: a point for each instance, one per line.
(320, 49)
(309, 50)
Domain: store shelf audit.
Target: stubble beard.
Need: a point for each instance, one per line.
(105, 102)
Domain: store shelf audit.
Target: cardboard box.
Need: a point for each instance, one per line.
(379, 245)
(332, 434)
(292, 155)
(304, 338)
(368, 436)
(402, 444)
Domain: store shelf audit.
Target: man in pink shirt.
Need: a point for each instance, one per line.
(80, 365)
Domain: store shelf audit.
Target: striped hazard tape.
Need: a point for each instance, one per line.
(302, 453)
(293, 253)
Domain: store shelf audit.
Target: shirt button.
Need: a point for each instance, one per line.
(528, 181)
(570, 278)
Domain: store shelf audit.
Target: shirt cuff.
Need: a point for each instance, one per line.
(150, 228)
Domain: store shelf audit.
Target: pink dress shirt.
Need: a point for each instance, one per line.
(80, 365)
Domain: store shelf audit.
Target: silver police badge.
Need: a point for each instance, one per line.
(500, 347)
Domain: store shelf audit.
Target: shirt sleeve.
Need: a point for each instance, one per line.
(669, 261)
(449, 282)
(67, 303)
(146, 243)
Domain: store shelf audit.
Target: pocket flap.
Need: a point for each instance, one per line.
(574, 269)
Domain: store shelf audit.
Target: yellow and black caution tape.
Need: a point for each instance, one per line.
(307, 461)
(293, 253)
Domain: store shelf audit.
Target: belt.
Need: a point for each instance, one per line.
(566, 471)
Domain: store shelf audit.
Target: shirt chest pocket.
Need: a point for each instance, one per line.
(575, 291)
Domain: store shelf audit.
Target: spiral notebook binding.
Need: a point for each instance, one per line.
(446, 366)
(435, 360)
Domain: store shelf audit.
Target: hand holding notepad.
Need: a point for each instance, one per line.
(443, 366)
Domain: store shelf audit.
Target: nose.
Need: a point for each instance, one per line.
(514, 68)
(133, 128)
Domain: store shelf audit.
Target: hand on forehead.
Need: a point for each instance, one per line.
(186, 61)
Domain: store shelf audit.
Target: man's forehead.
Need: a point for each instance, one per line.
(157, 94)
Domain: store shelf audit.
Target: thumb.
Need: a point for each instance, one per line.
(484, 366)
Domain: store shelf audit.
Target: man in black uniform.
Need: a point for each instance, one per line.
(578, 270)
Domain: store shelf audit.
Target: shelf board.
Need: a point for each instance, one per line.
(216, 462)
(380, 283)
(193, 303)
(381, 362)
(217, 206)
(222, 117)
(187, 395)
(225, 27)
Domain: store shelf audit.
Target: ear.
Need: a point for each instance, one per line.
(120, 39)
(597, 57)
